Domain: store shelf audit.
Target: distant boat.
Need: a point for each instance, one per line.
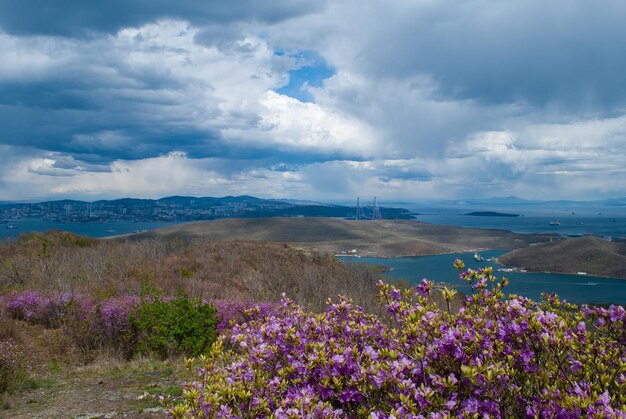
(110, 230)
(554, 223)
(478, 257)
(11, 227)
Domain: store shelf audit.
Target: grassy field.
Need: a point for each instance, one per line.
(384, 238)
(585, 254)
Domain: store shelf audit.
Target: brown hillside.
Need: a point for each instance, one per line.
(585, 254)
(384, 238)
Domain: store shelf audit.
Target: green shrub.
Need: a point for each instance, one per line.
(180, 325)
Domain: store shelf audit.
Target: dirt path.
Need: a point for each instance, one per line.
(95, 396)
(104, 388)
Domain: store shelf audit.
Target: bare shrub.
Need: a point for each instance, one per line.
(244, 270)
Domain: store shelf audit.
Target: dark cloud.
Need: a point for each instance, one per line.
(80, 18)
(561, 53)
(41, 95)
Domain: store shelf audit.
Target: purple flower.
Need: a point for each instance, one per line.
(423, 289)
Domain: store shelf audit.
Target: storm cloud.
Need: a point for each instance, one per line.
(324, 100)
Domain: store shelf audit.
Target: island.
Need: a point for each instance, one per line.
(582, 255)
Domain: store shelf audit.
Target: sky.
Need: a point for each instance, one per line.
(324, 100)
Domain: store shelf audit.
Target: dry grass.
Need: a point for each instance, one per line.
(240, 270)
(61, 385)
(8, 329)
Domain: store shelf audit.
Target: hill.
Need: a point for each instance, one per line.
(382, 238)
(234, 269)
(584, 254)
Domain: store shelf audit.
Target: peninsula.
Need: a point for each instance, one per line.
(380, 238)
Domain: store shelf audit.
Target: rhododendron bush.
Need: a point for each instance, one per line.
(495, 357)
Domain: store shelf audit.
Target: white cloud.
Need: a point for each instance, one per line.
(287, 122)
(24, 60)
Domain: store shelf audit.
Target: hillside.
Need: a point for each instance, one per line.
(585, 254)
(384, 238)
(240, 270)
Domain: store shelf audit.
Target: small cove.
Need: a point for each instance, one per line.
(578, 289)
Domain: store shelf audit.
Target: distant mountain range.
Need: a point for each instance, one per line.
(185, 208)
(515, 201)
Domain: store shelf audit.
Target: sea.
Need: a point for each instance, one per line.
(598, 221)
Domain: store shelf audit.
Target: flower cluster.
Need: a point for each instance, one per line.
(114, 315)
(232, 312)
(37, 307)
(92, 324)
(495, 357)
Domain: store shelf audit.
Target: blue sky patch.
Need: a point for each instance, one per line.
(311, 70)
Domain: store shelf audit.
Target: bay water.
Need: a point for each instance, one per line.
(13, 228)
(579, 289)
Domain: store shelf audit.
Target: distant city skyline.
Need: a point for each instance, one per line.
(319, 100)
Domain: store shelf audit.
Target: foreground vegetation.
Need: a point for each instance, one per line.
(98, 315)
(69, 303)
(61, 262)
